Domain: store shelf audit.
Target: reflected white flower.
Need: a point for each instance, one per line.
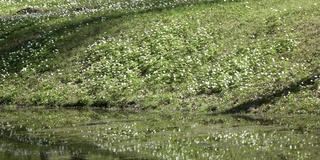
(23, 69)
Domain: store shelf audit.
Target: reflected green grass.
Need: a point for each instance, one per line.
(156, 135)
(11, 150)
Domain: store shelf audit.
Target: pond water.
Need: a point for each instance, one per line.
(170, 136)
(15, 150)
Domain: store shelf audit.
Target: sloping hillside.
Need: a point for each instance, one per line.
(232, 56)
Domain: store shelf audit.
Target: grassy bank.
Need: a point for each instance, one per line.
(256, 56)
(163, 79)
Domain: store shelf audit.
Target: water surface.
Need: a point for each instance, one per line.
(156, 135)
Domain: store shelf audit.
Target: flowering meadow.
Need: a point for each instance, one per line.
(170, 79)
(229, 56)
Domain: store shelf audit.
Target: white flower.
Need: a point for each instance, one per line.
(23, 69)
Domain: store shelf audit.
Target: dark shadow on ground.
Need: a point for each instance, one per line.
(26, 33)
(292, 88)
(32, 34)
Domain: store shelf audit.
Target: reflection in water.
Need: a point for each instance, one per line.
(171, 136)
(44, 155)
(12, 150)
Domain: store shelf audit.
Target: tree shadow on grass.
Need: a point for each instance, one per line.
(238, 112)
(24, 32)
(292, 88)
(31, 36)
(31, 32)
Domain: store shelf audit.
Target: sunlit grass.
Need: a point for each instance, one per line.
(145, 54)
(188, 63)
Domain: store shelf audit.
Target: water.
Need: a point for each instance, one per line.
(18, 150)
(175, 135)
(15, 150)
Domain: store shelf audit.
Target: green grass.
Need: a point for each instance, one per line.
(239, 56)
(195, 66)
